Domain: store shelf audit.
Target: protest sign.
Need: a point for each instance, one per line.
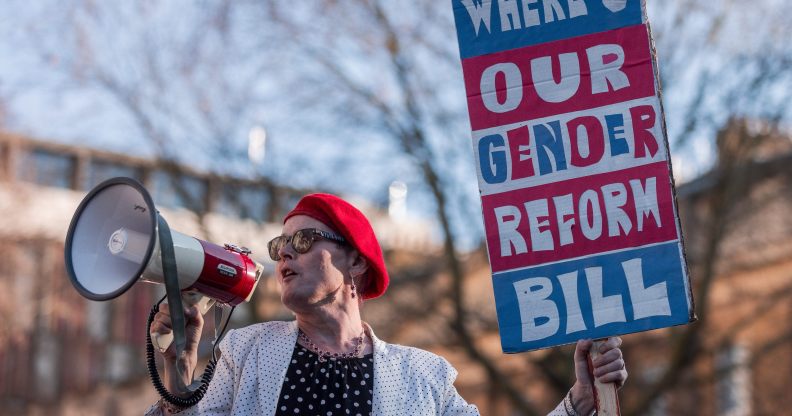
(574, 172)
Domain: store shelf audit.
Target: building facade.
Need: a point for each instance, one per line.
(63, 354)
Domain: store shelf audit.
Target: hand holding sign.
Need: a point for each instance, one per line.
(606, 367)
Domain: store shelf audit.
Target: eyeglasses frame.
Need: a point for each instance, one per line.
(315, 234)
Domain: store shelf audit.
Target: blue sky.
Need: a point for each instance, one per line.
(48, 86)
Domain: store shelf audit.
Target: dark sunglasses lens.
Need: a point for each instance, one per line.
(274, 247)
(302, 241)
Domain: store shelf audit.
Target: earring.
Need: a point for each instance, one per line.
(354, 288)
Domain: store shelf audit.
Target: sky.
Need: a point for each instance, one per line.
(50, 52)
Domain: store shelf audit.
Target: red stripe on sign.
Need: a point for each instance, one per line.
(579, 217)
(559, 77)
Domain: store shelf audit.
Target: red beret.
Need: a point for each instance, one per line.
(350, 223)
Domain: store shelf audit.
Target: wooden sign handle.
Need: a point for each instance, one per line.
(605, 394)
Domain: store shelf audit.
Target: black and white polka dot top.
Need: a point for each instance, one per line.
(329, 387)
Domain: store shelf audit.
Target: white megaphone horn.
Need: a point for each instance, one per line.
(117, 238)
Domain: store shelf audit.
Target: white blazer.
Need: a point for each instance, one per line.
(254, 361)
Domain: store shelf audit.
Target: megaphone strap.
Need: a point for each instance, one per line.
(172, 289)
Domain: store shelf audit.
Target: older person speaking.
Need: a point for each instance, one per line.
(328, 361)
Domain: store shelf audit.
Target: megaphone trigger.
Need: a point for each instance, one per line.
(161, 341)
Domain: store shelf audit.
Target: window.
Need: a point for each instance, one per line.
(287, 202)
(46, 366)
(175, 190)
(100, 170)
(244, 202)
(47, 168)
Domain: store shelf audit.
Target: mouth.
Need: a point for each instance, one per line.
(288, 274)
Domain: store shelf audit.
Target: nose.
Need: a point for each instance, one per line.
(287, 251)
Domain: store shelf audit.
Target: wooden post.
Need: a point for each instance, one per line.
(605, 394)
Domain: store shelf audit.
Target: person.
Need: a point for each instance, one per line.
(328, 361)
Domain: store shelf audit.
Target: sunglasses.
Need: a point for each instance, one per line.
(301, 241)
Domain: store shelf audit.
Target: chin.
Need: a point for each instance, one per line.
(293, 299)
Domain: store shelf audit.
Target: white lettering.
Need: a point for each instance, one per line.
(568, 283)
(531, 15)
(539, 315)
(615, 5)
(513, 90)
(646, 301)
(507, 231)
(604, 73)
(606, 309)
(591, 228)
(544, 82)
(564, 208)
(509, 15)
(541, 240)
(645, 201)
(577, 8)
(582, 142)
(615, 196)
(551, 8)
(479, 13)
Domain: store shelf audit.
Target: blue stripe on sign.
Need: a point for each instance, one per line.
(623, 305)
(487, 26)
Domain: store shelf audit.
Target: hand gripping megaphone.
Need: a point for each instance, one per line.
(117, 238)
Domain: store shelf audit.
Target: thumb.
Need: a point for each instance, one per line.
(582, 370)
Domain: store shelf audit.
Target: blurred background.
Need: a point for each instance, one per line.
(229, 111)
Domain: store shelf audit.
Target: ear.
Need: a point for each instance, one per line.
(359, 265)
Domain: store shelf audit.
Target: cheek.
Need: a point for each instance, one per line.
(328, 268)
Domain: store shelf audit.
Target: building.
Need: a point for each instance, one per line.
(63, 354)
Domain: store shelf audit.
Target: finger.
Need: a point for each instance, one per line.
(161, 327)
(618, 377)
(581, 361)
(611, 367)
(582, 349)
(608, 357)
(611, 343)
(163, 308)
(192, 315)
(162, 317)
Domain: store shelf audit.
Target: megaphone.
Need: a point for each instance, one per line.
(115, 240)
